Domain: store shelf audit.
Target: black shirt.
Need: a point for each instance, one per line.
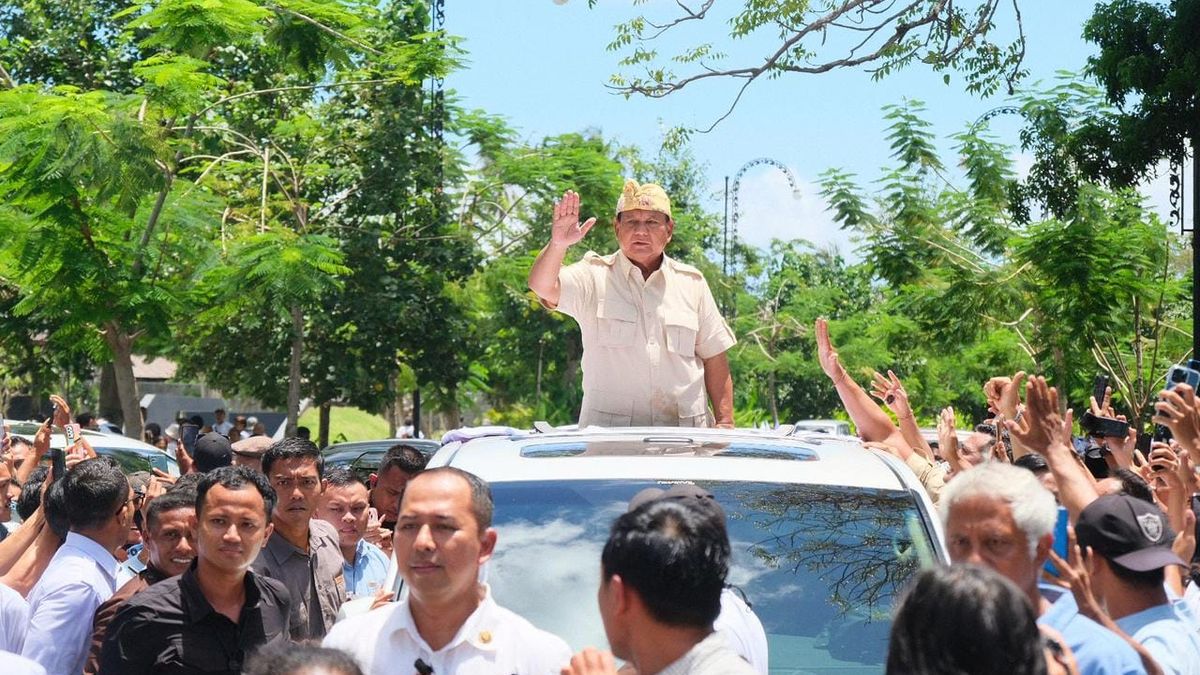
(171, 628)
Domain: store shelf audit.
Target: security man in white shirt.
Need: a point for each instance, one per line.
(654, 342)
(449, 622)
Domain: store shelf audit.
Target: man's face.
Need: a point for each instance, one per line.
(345, 507)
(385, 497)
(438, 545)
(298, 488)
(981, 530)
(239, 423)
(170, 542)
(219, 416)
(232, 528)
(974, 449)
(8, 492)
(643, 234)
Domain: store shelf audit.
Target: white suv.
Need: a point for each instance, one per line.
(824, 532)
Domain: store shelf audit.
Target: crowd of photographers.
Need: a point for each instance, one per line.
(1069, 555)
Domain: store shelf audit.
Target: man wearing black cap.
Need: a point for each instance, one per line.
(212, 451)
(1130, 544)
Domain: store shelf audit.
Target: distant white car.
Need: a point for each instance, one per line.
(834, 427)
(133, 455)
(824, 532)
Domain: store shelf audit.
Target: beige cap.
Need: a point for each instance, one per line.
(646, 196)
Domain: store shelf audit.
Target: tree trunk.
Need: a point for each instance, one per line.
(323, 425)
(110, 398)
(293, 397)
(121, 344)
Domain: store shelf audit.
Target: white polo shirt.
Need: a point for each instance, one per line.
(492, 640)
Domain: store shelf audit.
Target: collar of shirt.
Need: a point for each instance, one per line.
(281, 549)
(478, 630)
(90, 549)
(702, 650)
(198, 607)
(626, 268)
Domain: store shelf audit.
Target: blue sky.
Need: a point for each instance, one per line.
(544, 66)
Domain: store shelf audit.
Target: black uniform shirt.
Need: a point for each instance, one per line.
(171, 628)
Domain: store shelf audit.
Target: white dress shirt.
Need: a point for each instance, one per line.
(81, 575)
(14, 618)
(492, 640)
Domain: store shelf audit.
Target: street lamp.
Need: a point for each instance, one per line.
(726, 242)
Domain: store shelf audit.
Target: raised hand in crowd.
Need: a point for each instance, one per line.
(890, 391)
(1044, 430)
(947, 432)
(1176, 409)
(872, 422)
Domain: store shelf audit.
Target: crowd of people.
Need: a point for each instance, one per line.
(245, 564)
(259, 560)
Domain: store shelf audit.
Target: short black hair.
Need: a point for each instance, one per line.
(236, 478)
(304, 432)
(31, 492)
(404, 457)
(84, 418)
(482, 506)
(54, 507)
(19, 440)
(675, 557)
(290, 658)
(292, 447)
(1033, 462)
(1134, 485)
(169, 501)
(341, 476)
(188, 481)
(94, 490)
(964, 619)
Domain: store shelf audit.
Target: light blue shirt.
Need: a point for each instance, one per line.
(1097, 649)
(61, 606)
(1169, 637)
(370, 565)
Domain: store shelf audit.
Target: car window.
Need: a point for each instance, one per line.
(819, 565)
(131, 462)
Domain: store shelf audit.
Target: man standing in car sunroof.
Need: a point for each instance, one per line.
(654, 341)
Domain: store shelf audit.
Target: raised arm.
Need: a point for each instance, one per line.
(565, 231)
(873, 424)
(891, 392)
(1043, 430)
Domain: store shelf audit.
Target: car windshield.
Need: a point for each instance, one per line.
(818, 564)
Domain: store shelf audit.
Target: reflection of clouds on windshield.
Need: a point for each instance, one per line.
(548, 572)
(745, 567)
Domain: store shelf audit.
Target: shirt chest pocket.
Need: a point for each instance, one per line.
(617, 323)
(682, 327)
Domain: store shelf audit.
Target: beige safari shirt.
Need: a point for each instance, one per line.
(644, 341)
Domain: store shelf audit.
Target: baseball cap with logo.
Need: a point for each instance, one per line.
(1128, 531)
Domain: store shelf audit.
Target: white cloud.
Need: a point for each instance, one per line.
(770, 209)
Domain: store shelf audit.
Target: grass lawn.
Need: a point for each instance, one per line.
(346, 424)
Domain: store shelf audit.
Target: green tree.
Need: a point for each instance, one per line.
(1092, 287)
(817, 37)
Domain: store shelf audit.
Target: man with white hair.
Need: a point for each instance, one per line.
(1000, 516)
